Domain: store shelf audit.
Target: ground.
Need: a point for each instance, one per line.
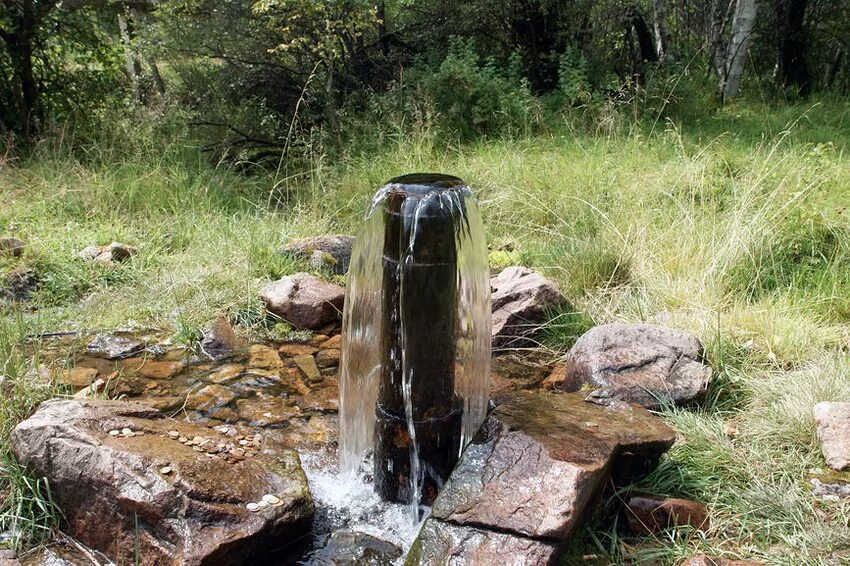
(734, 226)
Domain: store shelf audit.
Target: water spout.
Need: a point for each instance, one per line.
(416, 336)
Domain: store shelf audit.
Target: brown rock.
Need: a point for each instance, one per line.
(78, 377)
(703, 560)
(114, 347)
(323, 400)
(520, 299)
(266, 411)
(264, 357)
(219, 339)
(304, 300)
(226, 373)
(115, 499)
(209, 398)
(332, 342)
(327, 358)
(307, 365)
(153, 369)
(444, 544)
(557, 451)
(833, 428)
(317, 339)
(648, 514)
(555, 379)
(13, 247)
(292, 349)
(638, 363)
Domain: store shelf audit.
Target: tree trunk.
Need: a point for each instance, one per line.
(739, 43)
(721, 11)
(660, 29)
(791, 66)
(131, 62)
(19, 46)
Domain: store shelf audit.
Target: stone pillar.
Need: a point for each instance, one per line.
(419, 321)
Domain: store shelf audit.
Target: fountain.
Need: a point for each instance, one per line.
(416, 337)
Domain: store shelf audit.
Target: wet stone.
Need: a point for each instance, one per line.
(210, 397)
(153, 369)
(442, 543)
(266, 411)
(292, 349)
(264, 357)
(307, 365)
(114, 347)
(328, 358)
(219, 340)
(559, 452)
(115, 499)
(353, 548)
(226, 373)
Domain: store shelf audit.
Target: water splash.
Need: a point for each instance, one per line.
(364, 320)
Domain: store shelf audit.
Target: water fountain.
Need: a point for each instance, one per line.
(416, 337)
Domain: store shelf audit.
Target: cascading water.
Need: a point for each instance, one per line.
(416, 336)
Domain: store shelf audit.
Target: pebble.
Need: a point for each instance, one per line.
(173, 434)
(126, 431)
(253, 507)
(165, 470)
(183, 439)
(272, 499)
(243, 443)
(262, 504)
(114, 432)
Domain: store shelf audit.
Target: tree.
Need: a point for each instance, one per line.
(729, 62)
(791, 67)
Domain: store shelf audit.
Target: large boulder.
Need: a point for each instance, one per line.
(833, 426)
(534, 469)
(323, 252)
(304, 300)
(520, 298)
(638, 363)
(146, 489)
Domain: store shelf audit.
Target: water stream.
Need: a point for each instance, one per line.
(363, 323)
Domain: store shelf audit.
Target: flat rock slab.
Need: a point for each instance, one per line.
(444, 544)
(323, 252)
(520, 298)
(141, 496)
(114, 347)
(353, 548)
(540, 459)
(304, 300)
(638, 363)
(833, 422)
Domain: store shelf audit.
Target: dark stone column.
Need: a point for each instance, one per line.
(419, 321)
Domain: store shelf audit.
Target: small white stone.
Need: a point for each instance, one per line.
(126, 431)
(165, 470)
(115, 432)
(252, 507)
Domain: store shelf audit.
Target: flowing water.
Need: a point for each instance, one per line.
(360, 361)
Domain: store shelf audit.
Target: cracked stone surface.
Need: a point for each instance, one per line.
(175, 504)
(536, 467)
(519, 302)
(833, 422)
(637, 363)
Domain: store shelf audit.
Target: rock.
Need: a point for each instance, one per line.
(114, 347)
(352, 548)
(266, 411)
(13, 247)
(540, 459)
(323, 252)
(91, 390)
(19, 284)
(113, 253)
(555, 378)
(8, 557)
(308, 367)
(328, 358)
(334, 342)
(210, 397)
(520, 299)
(322, 400)
(263, 357)
(833, 422)
(292, 349)
(638, 363)
(153, 369)
(304, 300)
(78, 377)
(831, 489)
(648, 514)
(115, 499)
(444, 544)
(226, 373)
(219, 340)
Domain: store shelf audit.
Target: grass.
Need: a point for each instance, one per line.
(733, 225)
